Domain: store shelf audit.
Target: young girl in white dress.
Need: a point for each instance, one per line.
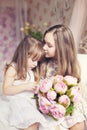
(20, 84)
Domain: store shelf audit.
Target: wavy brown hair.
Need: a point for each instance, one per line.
(28, 47)
(66, 54)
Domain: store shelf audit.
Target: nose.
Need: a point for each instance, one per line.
(44, 47)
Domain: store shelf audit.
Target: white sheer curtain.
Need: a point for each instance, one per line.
(21, 17)
(78, 19)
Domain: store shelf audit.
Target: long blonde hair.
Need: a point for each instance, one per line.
(66, 54)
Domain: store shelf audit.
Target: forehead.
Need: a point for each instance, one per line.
(49, 37)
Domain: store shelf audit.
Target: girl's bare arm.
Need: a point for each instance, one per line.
(10, 89)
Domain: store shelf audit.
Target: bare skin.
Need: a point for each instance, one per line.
(33, 127)
(78, 126)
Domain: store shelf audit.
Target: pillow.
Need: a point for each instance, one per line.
(83, 64)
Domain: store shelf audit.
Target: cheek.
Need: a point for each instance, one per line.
(53, 52)
(50, 52)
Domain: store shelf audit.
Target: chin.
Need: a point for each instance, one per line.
(46, 56)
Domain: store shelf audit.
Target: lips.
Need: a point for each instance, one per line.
(45, 52)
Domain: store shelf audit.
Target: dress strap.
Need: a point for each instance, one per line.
(30, 75)
(13, 65)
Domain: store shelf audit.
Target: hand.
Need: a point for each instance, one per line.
(36, 89)
(31, 86)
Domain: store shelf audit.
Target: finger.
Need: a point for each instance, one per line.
(37, 90)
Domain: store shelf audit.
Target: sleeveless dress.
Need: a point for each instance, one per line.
(20, 110)
(80, 112)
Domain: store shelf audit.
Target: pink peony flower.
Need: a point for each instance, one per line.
(64, 100)
(57, 111)
(60, 87)
(45, 85)
(76, 93)
(51, 95)
(44, 105)
(70, 80)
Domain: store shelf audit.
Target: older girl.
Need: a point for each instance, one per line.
(61, 58)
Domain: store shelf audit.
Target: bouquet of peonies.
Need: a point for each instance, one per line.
(58, 95)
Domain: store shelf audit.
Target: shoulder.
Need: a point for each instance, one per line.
(11, 70)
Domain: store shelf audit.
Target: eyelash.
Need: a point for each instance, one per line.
(49, 46)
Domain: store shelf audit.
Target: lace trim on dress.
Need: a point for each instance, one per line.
(52, 68)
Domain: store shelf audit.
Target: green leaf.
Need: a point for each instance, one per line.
(70, 109)
(68, 92)
(37, 34)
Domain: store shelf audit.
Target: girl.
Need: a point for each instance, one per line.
(61, 58)
(19, 86)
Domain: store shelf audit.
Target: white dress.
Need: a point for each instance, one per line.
(20, 110)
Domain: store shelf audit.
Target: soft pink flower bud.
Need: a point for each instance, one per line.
(45, 85)
(76, 93)
(58, 78)
(51, 95)
(64, 100)
(70, 80)
(57, 111)
(44, 105)
(60, 87)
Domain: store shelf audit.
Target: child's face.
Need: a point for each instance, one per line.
(31, 63)
(49, 46)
